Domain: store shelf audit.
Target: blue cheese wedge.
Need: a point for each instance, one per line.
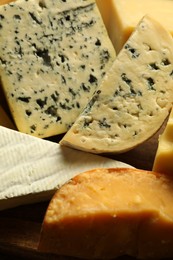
(32, 169)
(134, 98)
(52, 59)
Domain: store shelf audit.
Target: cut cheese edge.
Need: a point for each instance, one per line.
(50, 72)
(163, 161)
(107, 213)
(31, 169)
(122, 16)
(4, 2)
(134, 98)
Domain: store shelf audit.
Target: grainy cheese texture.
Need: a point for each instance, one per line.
(122, 16)
(107, 213)
(163, 162)
(53, 57)
(134, 98)
(31, 169)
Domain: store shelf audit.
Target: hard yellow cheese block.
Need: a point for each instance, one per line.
(106, 213)
(122, 16)
(163, 162)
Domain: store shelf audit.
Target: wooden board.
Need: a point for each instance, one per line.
(20, 227)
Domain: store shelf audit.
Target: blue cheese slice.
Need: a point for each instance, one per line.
(134, 98)
(32, 169)
(52, 59)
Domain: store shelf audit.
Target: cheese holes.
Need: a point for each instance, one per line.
(42, 4)
(153, 66)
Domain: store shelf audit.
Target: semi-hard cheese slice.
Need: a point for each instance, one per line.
(122, 16)
(163, 162)
(106, 213)
(134, 98)
(53, 57)
(31, 169)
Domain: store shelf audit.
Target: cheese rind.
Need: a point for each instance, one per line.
(50, 71)
(134, 98)
(31, 169)
(122, 16)
(107, 213)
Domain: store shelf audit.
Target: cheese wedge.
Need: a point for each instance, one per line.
(134, 98)
(31, 169)
(107, 213)
(52, 59)
(122, 16)
(163, 162)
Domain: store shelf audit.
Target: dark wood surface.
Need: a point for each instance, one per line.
(20, 227)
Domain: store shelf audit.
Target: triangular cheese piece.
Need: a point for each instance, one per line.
(31, 169)
(134, 98)
(107, 213)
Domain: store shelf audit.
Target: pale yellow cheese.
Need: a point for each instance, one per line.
(122, 16)
(106, 213)
(50, 71)
(163, 162)
(134, 98)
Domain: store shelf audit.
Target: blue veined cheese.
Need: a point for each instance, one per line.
(32, 169)
(53, 55)
(134, 98)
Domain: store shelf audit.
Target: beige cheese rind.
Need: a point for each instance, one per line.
(31, 169)
(122, 16)
(134, 98)
(108, 213)
(50, 71)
